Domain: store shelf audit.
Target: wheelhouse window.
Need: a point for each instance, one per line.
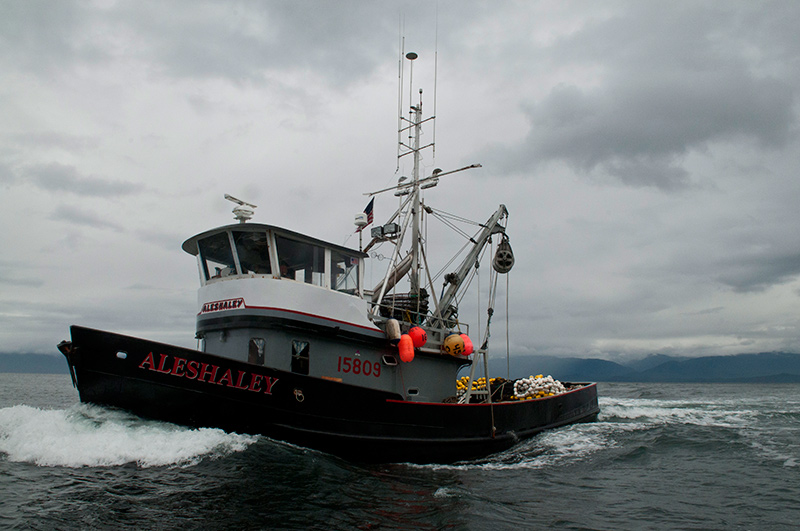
(253, 251)
(301, 261)
(255, 350)
(300, 357)
(216, 256)
(344, 272)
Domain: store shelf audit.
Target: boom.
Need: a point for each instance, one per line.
(492, 226)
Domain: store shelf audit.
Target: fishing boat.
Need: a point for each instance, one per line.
(292, 344)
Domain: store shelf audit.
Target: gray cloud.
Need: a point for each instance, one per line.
(64, 178)
(51, 139)
(260, 37)
(706, 311)
(17, 273)
(26, 282)
(751, 274)
(168, 241)
(291, 104)
(7, 176)
(237, 40)
(659, 97)
(78, 216)
(39, 35)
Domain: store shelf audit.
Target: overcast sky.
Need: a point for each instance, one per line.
(647, 152)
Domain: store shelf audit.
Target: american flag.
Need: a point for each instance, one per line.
(368, 212)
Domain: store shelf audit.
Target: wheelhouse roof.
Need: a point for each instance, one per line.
(190, 245)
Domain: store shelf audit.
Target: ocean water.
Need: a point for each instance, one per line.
(661, 456)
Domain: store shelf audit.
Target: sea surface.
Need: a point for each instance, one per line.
(661, 456)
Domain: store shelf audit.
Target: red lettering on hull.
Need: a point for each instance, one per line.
(193, 369)
(255, 383)
(207, 373)
(178, 366)
(239, 381)
(164, 358)
(226, 379)
(269, 382)
(148, 361)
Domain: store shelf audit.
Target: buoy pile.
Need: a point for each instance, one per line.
(537, 387)
(405, 343)
(477, 385)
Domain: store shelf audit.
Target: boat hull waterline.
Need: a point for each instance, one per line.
(193, 388)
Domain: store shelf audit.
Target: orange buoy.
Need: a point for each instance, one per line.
(454, 345)
(406, 348)
(468, 346)
(418, 336)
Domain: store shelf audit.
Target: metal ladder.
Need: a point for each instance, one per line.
(478, 392)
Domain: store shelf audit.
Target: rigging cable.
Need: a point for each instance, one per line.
(472, 275)
(438, 311)
(508, 343)
(457, 218)
(451, 225)
(478, 277)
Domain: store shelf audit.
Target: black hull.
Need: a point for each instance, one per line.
(188, 387)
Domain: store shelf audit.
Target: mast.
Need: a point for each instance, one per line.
(412, 264)
(415, 202)
(414, 133)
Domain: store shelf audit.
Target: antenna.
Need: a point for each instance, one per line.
(244, 211)
(411, 56)
(435, 76)
(402, 46)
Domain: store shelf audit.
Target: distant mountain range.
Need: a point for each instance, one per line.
(776, 367)
(35, 363)
(766, 367)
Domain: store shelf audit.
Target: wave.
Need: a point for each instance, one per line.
(766, 424)
(553, 447)
(659, 412)
(643, 424)
(85, 435)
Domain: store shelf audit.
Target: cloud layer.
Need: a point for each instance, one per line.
(647, 153)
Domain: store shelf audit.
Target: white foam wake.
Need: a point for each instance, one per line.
(550, 448)
(86, 435)
(649, 412)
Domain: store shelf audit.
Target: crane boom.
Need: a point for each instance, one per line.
(492, 226)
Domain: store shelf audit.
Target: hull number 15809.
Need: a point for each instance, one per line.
(357, 366)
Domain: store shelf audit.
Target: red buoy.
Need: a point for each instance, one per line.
(418, 336)
(468, 347)
(406, 348)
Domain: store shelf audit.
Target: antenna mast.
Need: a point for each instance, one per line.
(414, 129)
(400, 63)
(413, 189)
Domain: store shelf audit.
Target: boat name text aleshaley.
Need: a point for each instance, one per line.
(206, 372)
(229, 304)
